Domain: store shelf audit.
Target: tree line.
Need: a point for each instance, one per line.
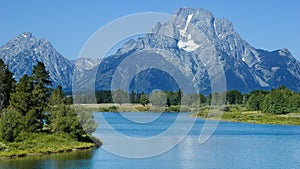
(275, 101)
(31, 106)
(120, 96)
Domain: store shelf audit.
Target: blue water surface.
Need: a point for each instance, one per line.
(233, 145)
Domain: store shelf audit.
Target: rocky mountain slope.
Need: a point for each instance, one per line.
(24, 51)
(193, 40)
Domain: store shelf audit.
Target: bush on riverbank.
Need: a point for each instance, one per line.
(44, 143)
(109, 109)
(3, 147)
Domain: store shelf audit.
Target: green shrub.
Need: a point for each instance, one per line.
(202, 113)
(225, 108)
(22, 136)
(173, 109)
(103, 109)
(113, 109)
(3, 146)
(11, 124)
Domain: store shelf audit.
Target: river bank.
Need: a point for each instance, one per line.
(42, 144)
(255, 117)
(235, 114)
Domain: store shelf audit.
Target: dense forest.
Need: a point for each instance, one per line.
(32, 106)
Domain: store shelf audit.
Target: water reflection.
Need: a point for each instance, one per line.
(75, 159)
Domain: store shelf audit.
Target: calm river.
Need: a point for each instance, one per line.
(233, 145)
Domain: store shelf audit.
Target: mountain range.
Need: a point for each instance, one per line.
(193, 38)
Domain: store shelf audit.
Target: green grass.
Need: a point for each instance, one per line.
(40, 143)
(241, 115)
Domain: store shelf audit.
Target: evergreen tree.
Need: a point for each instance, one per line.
(168, 102)
(40, 95)
(103, 96)
(208, 99)
(179, 96)
(86, 120)
(6, 85)
(57, 97)
(64, 118)
(21, 98)
(234, 97)
(132, 97)
(41, 81)
(34, 120)
(144, 99)
(172, 98)
(202, 98)
(137, 97)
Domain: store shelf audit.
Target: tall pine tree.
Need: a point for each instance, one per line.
(57, 97)
(39, 99)
(21, 98)
(41, 82)
(6, 85)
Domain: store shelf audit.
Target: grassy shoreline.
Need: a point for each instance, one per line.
(236, 113)
(42, 144)
(254, 117)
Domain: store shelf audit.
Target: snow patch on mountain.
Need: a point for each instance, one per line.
(188, 45)
(183, 32)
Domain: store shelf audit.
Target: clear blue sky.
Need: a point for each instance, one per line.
(266, 24)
